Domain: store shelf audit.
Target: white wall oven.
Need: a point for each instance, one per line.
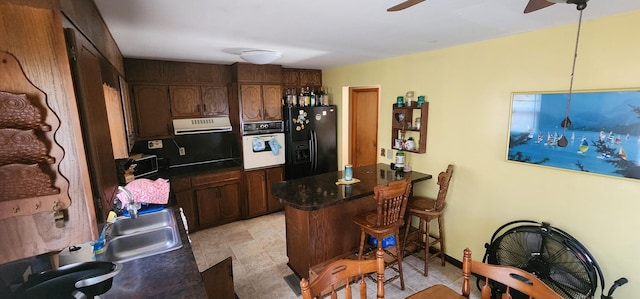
(263, 144)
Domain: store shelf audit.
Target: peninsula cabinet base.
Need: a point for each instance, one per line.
(316, 236)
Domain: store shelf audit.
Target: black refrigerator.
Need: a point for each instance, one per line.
(311, 140)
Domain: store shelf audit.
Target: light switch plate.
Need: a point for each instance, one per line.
(382, 152)
(389, 154)
(154, 144)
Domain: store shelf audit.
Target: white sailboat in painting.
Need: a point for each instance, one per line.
(540, 138)
(552, 140)
(602, 136)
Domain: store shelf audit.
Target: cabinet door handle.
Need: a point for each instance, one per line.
(198, 108)
(204, 107)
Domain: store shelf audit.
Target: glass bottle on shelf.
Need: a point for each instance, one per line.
(400, 159)
(312, 96)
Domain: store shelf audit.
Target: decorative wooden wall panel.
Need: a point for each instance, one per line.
(30, 182)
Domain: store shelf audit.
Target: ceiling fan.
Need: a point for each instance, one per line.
(534, 5)
(405, 4)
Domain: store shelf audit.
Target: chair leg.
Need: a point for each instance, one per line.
(399, 257)
(426, 248)
(362, 237)
(441, 238)
(406, 234)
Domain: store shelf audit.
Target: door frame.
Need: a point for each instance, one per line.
(346, 121)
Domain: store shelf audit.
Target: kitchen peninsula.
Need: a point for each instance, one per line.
(318, 212)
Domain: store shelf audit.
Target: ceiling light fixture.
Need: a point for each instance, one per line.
(260, 56)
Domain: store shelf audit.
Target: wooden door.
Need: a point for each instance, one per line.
(87, 80)
(185, 101)
(229, 202)
(274, 175)
(251, 102)
(215, 101)
(364, 126)
(256, 192)
(152, 108)
(208, 206)
(272, 97)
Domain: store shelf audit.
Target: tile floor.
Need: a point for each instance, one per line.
(260, 261)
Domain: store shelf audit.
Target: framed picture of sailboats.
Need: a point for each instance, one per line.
(588, 131)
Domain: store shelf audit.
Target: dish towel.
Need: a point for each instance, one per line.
(275, 146)
(258, 144)
(146, 190)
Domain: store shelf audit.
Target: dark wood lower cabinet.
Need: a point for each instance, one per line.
(260, 201)
(210, 199)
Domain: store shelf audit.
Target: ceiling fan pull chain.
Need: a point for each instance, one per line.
(566, 122)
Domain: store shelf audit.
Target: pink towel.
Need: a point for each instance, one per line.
(145, 190)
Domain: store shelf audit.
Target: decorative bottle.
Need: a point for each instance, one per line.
(400, 159)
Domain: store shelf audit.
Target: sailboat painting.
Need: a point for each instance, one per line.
(607, 124)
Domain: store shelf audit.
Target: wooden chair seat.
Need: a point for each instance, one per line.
(512, 278)
(341, 273)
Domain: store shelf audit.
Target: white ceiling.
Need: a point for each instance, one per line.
(321, 34)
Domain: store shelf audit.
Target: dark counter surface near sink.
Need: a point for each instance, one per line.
(320, 191)
(169, 275)
(214, 166)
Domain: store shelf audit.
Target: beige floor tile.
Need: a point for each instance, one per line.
(258, 248)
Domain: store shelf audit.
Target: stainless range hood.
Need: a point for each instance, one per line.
(201, 125)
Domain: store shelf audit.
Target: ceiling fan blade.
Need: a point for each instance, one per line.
(534, 5)
(404, 5)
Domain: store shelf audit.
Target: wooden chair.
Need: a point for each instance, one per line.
(511, 277)
(386, 221)
(341, 272)
(427, 209)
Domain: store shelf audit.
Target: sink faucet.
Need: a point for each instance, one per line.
(131, 206)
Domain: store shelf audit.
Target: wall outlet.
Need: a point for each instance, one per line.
(181, 151)
(154, 144)
(389, 154)
(382, 152)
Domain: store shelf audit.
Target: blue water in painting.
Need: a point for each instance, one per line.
(606, 116)
(569, 157)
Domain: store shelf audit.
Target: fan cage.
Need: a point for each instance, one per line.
(555, 257)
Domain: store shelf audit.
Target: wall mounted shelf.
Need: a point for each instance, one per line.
(410, 121)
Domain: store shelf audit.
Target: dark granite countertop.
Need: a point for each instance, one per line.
(190, 170)
(169, 275)
(320, 191)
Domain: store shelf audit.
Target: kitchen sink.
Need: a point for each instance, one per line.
(125, 225)
(148, 235)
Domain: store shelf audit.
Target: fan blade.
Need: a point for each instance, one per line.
(404, 5)
(534, 5)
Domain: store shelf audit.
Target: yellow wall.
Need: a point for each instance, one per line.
(469, 89)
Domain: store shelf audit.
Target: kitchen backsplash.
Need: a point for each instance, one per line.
(198, 148)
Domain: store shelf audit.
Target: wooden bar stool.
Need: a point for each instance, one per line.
(427, 209)
(386, 220)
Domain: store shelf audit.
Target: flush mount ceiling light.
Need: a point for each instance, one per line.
(260, 56)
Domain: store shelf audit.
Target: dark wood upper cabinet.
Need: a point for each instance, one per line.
(185, 101)
(215, 100)
(198, 101)
(152, 109)
(246, 72)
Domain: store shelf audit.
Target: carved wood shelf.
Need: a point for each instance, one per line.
(29, 155)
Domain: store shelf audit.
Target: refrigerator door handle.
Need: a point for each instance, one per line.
(311, 152)
(315, 151)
